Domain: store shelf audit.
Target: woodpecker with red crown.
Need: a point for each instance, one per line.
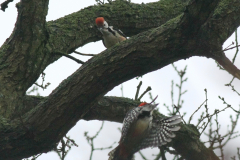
(110, 36)
(140, 130)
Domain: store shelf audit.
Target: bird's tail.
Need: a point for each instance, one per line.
(116, 154)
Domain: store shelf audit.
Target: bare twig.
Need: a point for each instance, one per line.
(177, 111)
(158, 156)
(68, 56)
(148, 89)
(236, 40)
(172, 92)
(229, 45)
(122, 89)
(43, 79)
(90, 141)
(34, 88)
(162, 153)
(34, 157)
(100, 2)
(181, 74)
(196, 111)
(231, 81)
(230, 48)
(65, 147)
(228, 105)
(219, 137)
(141, 154)
(71, 140)
(238, 152)
(138, 89)
(103, 148)
(83, 54)
(234, 90)
(207, 116)
(216, 137)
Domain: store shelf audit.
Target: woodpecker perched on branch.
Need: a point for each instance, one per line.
(110, 36)
(141, 131)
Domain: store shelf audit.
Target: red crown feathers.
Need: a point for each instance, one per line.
(99, 21)
(142, 104)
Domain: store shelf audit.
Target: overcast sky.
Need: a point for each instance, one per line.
(201, 73)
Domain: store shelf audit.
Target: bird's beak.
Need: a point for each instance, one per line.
(153, 106)
(150, 107)
(154, 99)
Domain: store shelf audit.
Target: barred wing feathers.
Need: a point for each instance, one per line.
(161, 132)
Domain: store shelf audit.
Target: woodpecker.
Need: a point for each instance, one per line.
(140, 130)
(110, 36)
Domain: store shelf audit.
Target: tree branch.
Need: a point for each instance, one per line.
(187, 142)
(4, 5)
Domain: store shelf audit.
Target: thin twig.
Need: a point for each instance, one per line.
(68, 56)
(172, 94)
(219, 137)
(230, 48)
(234, 90)
(43, 79)
(195, 112)
(141, 154)
(162, 153)
(100, 2)
(148, 89)
(122, 89)
(84, 54)
(236, 40)
(90, 141)
(138, 89)
(181, 74)
(230, 81)
(71, 140)
(158, 156)
(103, 148)
(209, 118)
(229, 45)
(228, 105)
(177, 111)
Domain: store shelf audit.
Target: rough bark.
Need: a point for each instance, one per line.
(174, 30)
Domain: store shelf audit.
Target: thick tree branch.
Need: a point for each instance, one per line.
(102, 72)
(4, 5)
(187, 142)
(32, 45)
(131, 18)
(22, 55)
(24, 47)
(60, 38)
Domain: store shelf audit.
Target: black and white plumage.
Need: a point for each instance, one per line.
(161, 132)
(140, 130)
(110, 35)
